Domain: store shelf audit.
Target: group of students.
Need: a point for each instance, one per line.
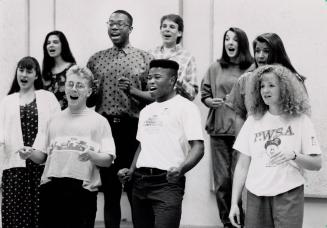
(260, 133)
(145, 132)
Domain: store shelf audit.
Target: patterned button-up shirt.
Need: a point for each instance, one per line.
(186, 71)
(111, 64)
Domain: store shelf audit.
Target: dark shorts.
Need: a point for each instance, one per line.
(281, 211)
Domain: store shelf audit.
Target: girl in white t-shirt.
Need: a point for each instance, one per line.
(277, 142)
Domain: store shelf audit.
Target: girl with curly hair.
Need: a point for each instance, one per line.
(276, 143)
(268, 48)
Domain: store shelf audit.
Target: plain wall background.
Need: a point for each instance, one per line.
(300, 24)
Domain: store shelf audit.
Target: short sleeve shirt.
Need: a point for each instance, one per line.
(67, 136)
(164, 131)
(111, 64)
(261, 138)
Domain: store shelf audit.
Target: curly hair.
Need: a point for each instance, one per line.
(294, 100)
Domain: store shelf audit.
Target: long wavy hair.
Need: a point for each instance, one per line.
(49, 62)
(277, 52)
(293, 97)
(244, 55)
(29, 63)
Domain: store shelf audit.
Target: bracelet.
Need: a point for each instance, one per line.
(294, 156)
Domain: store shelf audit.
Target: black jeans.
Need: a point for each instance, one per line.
(156, 202)
(65, 203)
(224, 159)
(124, 130)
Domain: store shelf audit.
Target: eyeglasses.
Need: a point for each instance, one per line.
(119, 25)
(78, 85)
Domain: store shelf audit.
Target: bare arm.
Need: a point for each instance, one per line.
(125, 174)
(309, 161)
(194, 156)
(99, 159)
(306, 161)
(240, 174)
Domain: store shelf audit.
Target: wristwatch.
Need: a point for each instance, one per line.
(294, 156)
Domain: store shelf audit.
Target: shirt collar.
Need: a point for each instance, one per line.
(175, 49)
(126, 50)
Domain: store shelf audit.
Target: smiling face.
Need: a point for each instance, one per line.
(169, 33)
(231, 44)
(161, 83)
(270, 90)
(53, 46)
(261, 53)
(77, 91)
(26, 78)
(119, 29)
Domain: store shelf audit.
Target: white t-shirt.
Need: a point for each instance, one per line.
(67, 136)
(260, 138)
(164, 130)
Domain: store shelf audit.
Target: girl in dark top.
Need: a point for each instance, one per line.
(215, 87)
(58, 58)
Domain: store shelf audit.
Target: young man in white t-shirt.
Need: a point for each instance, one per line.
(77, 141)
(171, 143)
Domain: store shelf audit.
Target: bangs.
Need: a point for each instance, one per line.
(27, 63)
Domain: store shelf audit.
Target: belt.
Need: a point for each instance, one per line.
(150, 171)
(118, 119)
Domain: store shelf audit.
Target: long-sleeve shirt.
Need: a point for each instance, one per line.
(187, 68)
(217, 83)
(11, 137)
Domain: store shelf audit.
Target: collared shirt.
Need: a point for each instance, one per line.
(186, 71)
(111, 64)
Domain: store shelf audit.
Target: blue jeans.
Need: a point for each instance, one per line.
(224, 159)
(156, 203)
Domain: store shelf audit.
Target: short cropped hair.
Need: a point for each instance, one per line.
(176, 19)
(164, 63)
(170, 65)
(129, 16)
(82, 72)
